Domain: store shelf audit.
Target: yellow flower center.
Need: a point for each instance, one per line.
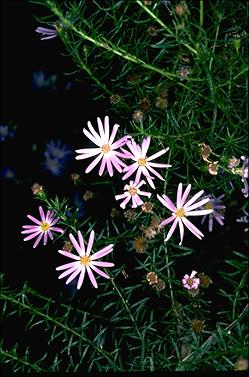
(132, 191)
(105, 148)
(189, 282)
(142, 162)
(44, 226)
(209, 205)
(85, 260)
(180, 212)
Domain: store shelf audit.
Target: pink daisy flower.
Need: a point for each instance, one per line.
(132, 192)
(84, 261)
(190, 282)
(182, 210)
(106, 147)
(143, 164)
(44, 227)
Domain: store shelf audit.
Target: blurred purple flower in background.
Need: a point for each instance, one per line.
(218, 210)
(42, 80)
(7, 131)
(57, 156)
(43, 227)
(244, 174)
(46, 33)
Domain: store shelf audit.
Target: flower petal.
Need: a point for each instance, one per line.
(145, 146)
(75, 244)
(172, 229)
(156, 155)
(81, 242)
(42, 214)
(102, 264)
(93, 163)
(167, 221)
(38, 240)
(74, 274)
(69, 271)
(201, 212)
(91, 277)
(101, 273)
(181, 227)
(81, 277)
(179, 196)
(34, 219)
(102, 252)
(192, 228)
(69, 255)
(66, 266)
(192, 200)
(32, 236)
(196, 205)
(185, 195)
(165, 200)
(90, 243)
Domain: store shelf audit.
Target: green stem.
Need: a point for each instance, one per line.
(9, 355)
(169, 279)
(201, 13)
(214, 46)
(112, 48)
(160, 22)
(211, 340)
(59, 324)
(155, 18)
(126, 307)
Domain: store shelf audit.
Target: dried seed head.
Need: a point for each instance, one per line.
(181, 9)
(144, 104)
(133, 79)
(213, 167)
(75, 178)
(160, 285)
(115, 98)
(147, 207)
(129, 214)
(114, 212)
(67, 246)
(36, 188)
(140, 245)
(197, 325)
(151, 278)
(193, 292)
(205, 280)
(137, 116)
(241, 364)
(205, 151)
(152, 31)
(161, 103)
(88, 195)
(149, 232)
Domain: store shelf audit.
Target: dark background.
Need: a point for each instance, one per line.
(40, 115)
